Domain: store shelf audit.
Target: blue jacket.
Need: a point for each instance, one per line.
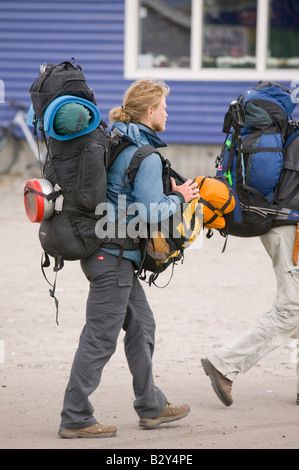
(148, 186)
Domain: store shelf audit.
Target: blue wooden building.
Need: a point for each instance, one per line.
(206, 51)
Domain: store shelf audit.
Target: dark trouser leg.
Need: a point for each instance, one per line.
(110, 288)
(139, 348)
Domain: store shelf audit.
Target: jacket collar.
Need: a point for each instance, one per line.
(137, 133)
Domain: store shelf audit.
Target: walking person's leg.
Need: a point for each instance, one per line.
(150, 403)
(110, 288)
(271, 330)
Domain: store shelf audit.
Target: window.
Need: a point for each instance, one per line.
(164, 33)
(212, 39)
(229, 34)
(283, 36)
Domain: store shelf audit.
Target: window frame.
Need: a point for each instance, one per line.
(196, 72)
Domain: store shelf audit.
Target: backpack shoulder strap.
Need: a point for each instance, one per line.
(138, 157)
(116, 151)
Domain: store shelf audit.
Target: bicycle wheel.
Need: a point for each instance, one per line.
(9, 150)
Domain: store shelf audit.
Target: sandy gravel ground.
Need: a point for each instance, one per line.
(212, 298)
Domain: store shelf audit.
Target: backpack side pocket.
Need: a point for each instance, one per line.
(91, 183)
(263, 157)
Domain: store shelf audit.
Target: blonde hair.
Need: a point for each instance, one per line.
(140, 96)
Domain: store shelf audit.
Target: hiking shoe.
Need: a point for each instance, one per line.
(168, 414)
(221, 385)
(97, 430)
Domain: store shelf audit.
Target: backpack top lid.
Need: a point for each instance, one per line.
(275, 93)
(55, 106)
(58, 80)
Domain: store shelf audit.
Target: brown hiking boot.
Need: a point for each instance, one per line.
(221, 385)
(97, 430)
(168, 414)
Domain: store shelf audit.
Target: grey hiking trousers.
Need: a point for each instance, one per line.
(116, 299)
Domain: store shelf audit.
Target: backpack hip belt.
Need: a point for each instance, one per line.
(127, 243)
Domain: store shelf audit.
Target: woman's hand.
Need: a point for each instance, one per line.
(189, 190)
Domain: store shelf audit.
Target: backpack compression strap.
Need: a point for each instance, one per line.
(50, 197)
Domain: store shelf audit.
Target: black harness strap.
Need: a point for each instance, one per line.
(53, 195)
(59, 263)
(261, 149)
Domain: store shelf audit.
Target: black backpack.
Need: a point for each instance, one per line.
(76, 168)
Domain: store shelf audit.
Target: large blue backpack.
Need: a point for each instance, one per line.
(254, 160)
